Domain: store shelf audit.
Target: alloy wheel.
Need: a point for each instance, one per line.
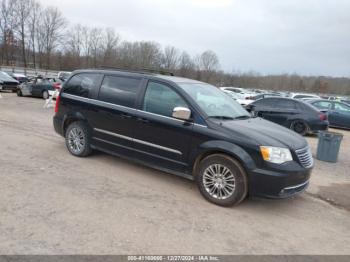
(219, 181)
(76, 140)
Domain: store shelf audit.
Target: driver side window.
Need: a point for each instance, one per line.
(161, 99)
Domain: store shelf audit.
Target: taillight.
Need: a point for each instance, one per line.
(57, 103)
(322, 116)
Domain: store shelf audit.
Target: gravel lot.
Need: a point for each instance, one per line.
(54, 203)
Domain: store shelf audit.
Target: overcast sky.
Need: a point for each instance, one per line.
(309, 37)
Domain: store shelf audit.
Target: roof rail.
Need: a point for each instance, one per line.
(138, 70)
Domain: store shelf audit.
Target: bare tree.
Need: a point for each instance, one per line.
(170, 58)
(186, 66)
(208, 61)
(50, 28)
(95, 44)
(148, 54)
(23, 9)
(8, 25)
(74, 45)
(74, 40)
(32, 28)
(110, 41)
(208, 64)
(86, 44)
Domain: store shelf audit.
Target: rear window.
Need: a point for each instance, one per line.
(120, 90)
(82, 84)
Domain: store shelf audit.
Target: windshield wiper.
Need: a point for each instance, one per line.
(222, 117)
(242, 117)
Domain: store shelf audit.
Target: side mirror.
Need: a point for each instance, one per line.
(251, 109)
(182, 113)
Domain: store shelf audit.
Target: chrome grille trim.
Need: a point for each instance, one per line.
(305, 157)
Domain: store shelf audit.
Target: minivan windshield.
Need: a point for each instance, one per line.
(214, 102)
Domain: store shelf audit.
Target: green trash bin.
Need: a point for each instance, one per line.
(328, 146)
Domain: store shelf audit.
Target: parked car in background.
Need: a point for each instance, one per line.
(63, 75)
(265, 95)
(7, 82)
(345, 101)
(338, 112)
(184, 127)
(233, 89)
(300, 117)
(39, 87)
(245, 96)
(300, 96)
(19, 77)
(237, 97)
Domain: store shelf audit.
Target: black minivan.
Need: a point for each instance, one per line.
(184, 127)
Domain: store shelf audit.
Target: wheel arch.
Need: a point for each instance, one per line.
(225, 148)
(71, 118)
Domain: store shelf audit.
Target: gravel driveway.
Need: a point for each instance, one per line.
(54, 203)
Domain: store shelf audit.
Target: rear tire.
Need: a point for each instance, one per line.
(299, 127)
(78, 139)
(45, 94)
(222, 180)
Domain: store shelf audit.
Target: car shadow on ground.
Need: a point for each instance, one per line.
(190, 185)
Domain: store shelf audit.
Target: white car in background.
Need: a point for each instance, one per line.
(243, 93)
(301, 96)
(238, 97)
(238, 90)
(63, 75)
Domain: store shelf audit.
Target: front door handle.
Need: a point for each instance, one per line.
(125, 116)
(143, 120)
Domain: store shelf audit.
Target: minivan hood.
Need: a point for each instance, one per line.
(265, 133)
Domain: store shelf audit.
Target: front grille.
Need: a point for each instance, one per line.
(305, 157)
(9, 84)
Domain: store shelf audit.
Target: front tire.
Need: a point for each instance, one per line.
(222, 180)
(78, 139)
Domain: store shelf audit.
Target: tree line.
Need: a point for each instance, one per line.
(38, 36)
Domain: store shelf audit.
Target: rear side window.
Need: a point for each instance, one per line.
(265, 102)
(286, 104)
(161, 99)
(82, 84)
(120, 90)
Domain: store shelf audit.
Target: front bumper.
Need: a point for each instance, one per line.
(287, 181)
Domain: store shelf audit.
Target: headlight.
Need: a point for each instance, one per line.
(276, 155)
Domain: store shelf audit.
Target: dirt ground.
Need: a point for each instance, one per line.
(54, 203)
